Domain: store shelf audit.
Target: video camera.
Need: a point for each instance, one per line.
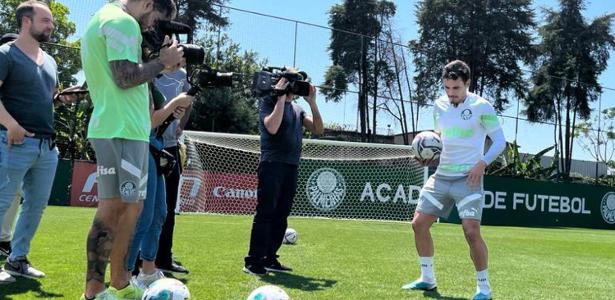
(263, 82)
(202, 75)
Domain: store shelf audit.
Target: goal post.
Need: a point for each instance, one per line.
(336, 179)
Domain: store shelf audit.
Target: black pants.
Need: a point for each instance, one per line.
(277, 185)
(164, 257)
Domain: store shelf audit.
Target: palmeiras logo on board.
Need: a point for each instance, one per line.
(326, 189)
(466, 114)
(607, 207)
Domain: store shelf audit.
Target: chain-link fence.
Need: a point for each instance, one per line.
(287, 42)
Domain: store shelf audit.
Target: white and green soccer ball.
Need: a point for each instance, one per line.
(166, 289)
(427, 145)
(290, 237)
(268, 292)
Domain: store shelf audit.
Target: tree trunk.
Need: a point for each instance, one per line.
(375, 100)
(574, 122)
(409, 95)
(404, 123)
(362, 92)
(567, 138)
(560, 136)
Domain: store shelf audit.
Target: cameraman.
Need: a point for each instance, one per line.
(281, 125)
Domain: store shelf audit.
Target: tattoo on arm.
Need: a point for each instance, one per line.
(127, 74)
(100, 240)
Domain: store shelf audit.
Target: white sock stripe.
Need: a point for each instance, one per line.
(143, 182)
(130, 168)
(468, 199)
(433, 200)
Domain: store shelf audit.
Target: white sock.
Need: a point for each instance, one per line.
(482, 282)
(427, 272)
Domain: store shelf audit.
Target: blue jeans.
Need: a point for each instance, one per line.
(32, 163)
(149, 225)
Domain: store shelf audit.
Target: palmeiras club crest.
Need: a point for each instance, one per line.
(466, 114)
(326, 189)
(607, 207)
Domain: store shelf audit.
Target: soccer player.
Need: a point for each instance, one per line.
(119, 132)
(463, 120)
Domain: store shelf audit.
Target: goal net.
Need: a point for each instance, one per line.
(336, 179)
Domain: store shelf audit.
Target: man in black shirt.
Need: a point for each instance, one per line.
(281, 125)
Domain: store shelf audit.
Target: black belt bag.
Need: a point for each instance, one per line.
(165, 161)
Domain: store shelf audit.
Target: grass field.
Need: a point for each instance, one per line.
(338, 259)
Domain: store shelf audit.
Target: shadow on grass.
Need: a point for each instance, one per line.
(295, 281)
(183, 279)
(436, 295)
(25, 285)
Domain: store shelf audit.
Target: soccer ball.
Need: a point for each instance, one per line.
(166, 289)
(290, 237)
(268, 292)
(427, 145)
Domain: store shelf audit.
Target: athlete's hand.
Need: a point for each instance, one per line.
(172, 56)
(476, 174)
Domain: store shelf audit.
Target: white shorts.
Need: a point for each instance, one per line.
(440, 193)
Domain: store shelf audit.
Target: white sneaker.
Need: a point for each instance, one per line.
(23, 268)
(144, 280)
(6, 277)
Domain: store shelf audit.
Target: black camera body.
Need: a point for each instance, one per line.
(203, 75)
(263, 82)
(153, 42)
(165, 161)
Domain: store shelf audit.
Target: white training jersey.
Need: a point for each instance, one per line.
(463, 129)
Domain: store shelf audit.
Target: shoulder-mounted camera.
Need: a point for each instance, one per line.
(263, 82)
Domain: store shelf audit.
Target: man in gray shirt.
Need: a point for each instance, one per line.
(28, 79)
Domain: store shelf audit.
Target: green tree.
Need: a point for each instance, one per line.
(221, 109)
(353, 49)
(572, 55)
(492, 36)
(199, 13)
(65, 53)
(224, 109)
(599, 144)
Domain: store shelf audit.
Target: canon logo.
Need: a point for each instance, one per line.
(224, 192)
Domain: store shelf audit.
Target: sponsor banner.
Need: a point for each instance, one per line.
(386, 190)
(61, 182)
(522, 202)
(218, 192)
(361, 189)
(84, 189)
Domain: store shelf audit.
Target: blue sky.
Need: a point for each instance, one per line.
(274, 39)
